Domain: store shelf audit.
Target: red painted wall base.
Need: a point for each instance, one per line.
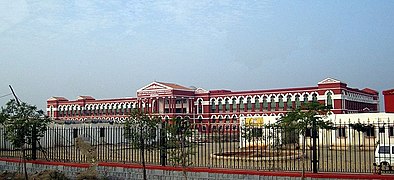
(331, 175)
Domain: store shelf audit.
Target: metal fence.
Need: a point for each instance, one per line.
(345, 149)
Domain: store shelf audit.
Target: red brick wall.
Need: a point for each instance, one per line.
(389, 100)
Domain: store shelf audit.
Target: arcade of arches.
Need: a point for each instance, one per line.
(214, 109)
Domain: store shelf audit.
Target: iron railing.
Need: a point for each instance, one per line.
(345, 149)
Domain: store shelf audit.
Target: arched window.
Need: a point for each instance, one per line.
(60, 112)
(220, 105)
(214, 128)
(125, 109)
(329, 100)
(199, 106)
(97, 110)
(107, 109)
(100, 110)
(273, 104)
(114, 109)
(227, 119)
(305, 98)
(234, 119)
(131, 106)
(256, 103)
(249, 103)
(314, 97)
(227, 104)
(51, 112)
(281, 103)
(71, 111)
(213, 119)
(213, 106)
(227, 127)
(88, 111)
(220, 128)
(241, 104)
(289, 103)
(297, 101)
(265, 103)
(120, 109)
(103, 108)
(200, 119)
(154, 106)
(235, 127)
(234, 104)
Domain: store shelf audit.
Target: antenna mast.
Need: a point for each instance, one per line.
(13, 93)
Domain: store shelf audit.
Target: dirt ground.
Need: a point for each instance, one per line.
(351, 160)
(43, 175)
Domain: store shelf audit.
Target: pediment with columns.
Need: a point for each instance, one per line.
(329, 81)
(154, 87)
(201, 91)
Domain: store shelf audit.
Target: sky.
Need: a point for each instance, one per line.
(110, 49)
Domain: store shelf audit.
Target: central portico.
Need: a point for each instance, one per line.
(168, 99)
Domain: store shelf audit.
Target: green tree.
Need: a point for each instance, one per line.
(179, 135)
(24, 125)
(140, 130)
(310, 115)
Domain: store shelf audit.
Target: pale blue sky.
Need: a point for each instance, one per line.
(109, 49)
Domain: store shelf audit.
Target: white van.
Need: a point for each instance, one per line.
(384, 156)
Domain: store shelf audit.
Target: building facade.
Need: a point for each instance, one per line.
(389, 100)
(379, 129)
(211, 109)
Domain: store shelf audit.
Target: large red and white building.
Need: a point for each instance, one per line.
(215, 108)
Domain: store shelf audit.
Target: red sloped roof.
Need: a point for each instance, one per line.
(389, 91)
(175, 86)
(57, 98)
(86, 97)
(370, 91)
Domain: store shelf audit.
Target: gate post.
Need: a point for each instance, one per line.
(315, 160)
(34, 143)
(163, 148)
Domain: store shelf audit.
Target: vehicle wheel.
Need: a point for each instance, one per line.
(385, 166)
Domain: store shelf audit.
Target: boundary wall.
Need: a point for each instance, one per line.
(134, 171)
